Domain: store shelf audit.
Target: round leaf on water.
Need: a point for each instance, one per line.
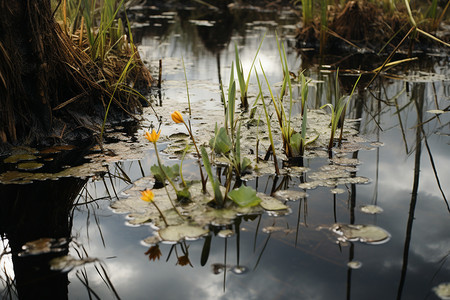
(270, 203)
(354, 264)
(371, 209)
(369, 234)
(443, 290)
(226, 233)
(181, 232)
(29, 166)
(289, 195)
(18, 157)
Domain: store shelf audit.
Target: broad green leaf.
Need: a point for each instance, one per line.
(221, 143)
(214, 183)
(296, 143)
(171, 172)
(246, 164)
(244, 196)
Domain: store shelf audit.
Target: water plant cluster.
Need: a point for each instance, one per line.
(185, 208)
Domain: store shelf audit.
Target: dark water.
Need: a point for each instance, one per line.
(304, 261)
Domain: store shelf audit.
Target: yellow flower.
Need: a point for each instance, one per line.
(177, 117)
(147, 195)
(152, 137)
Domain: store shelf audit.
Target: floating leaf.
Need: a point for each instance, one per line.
(152, 240)
(289, 195)
(443, 290)
(244, 196)
(270, 203)
(29, 166)
(354, 264)
(337, 191)
(181, 232)
(371, 209)
(226, 233)
(19, 157)
(369, 234)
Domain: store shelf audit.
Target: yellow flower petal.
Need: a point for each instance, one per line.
(177, 117)
(152, 137)
(147, 195)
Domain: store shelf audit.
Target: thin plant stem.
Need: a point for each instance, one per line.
(198, 154)
(161, 214)
(162, 169)
(187, 87)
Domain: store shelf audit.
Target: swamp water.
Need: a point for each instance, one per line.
(370, 224)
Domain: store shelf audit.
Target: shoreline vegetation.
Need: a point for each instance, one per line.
(371, 26)
(68, 67)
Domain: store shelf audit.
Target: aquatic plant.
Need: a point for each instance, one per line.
(338, 112)
(218, 197)
(366, 23)
(177, 117)
(299, 141)
(243, 84)
(227, 139)
(323, 24)
(243, 196)
(294, 143)
(105, 32)
(307, 11)
(163, 173)
(272, 146)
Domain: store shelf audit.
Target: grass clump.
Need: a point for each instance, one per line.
(366, 24)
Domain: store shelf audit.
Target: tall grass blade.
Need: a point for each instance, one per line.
(268, 125)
